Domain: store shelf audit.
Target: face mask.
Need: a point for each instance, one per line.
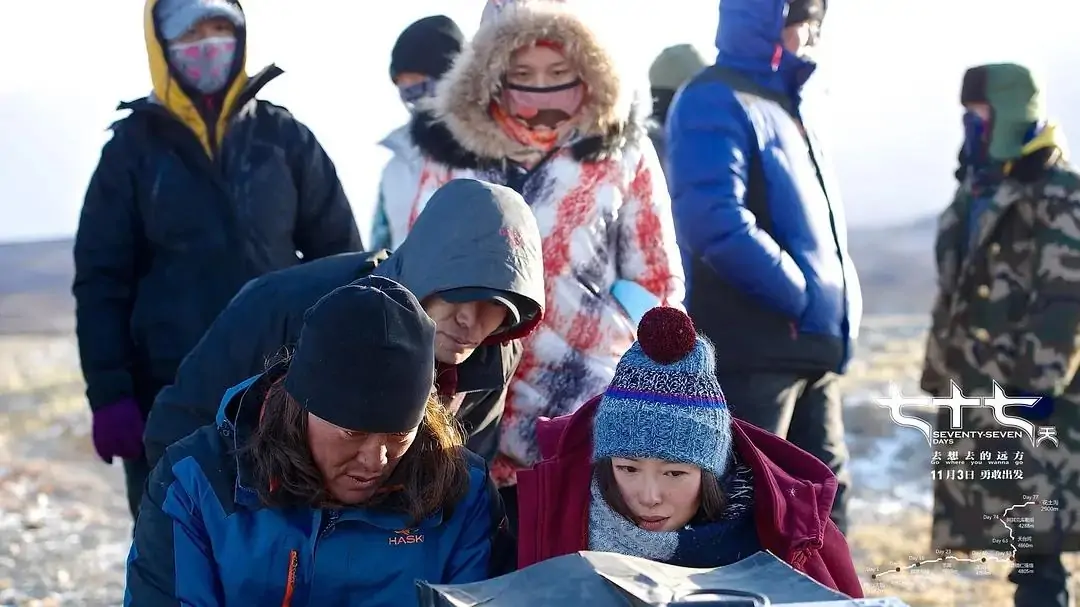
(976, 139)
(205, 64)
(547, 106)
(413, 93)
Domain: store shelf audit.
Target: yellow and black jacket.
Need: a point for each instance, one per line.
(192, 198)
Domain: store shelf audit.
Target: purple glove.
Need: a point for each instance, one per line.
(118, 431)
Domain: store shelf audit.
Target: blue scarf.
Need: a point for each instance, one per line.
(724, 541)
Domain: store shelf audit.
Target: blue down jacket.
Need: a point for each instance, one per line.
(757, 211)
(203, 537)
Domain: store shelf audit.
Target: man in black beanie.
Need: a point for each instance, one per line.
(421, 55)
(373, 318)
(337, 468)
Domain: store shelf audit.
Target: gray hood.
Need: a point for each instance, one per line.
(474, 234)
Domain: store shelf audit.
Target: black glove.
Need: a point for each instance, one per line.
(1041, 412)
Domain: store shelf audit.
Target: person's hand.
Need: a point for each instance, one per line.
(118, 431)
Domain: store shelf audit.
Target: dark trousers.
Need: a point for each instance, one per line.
(806, 409)
(1044, 584)
(136, 472)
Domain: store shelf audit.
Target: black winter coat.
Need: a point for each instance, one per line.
(169, 234)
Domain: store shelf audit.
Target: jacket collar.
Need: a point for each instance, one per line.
(489, 368)
(400, 143)
(237, 418)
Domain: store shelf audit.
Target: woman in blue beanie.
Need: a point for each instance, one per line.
(657, 468)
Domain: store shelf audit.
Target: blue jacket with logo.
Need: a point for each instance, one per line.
(757, 211)
(203, 537)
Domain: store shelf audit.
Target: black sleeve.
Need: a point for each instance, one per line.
(238, 343)
(106, 244)
(503, 538)
(171, 561)
(325, 225)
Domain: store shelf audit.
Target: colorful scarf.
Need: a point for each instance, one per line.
(543, 141)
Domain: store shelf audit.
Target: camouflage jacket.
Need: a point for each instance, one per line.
(1009, 310)
(1008, 306)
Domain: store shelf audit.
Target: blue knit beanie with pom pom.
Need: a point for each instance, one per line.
(664, 402)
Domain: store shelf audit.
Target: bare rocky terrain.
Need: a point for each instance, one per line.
(64, 526)
(65, 530)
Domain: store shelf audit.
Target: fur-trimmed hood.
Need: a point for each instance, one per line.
(464, 94)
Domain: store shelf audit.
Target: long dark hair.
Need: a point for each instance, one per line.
(713, 500)
(432, 475)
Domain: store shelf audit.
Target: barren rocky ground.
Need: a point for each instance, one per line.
(64, 527)
(65, 530)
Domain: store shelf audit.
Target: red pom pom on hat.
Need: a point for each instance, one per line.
(666, 335)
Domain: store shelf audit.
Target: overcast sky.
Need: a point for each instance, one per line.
(892, 69)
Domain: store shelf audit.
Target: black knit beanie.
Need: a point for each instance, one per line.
(427, 47)
(800, 11)
(366, 358)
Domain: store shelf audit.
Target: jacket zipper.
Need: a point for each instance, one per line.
(835, 236)
(540, 546)
(211, 126)
(519, 180)
(290, 581)
(332, 519)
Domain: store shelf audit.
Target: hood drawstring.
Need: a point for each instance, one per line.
(446, 379)
(778, 55)
(804, 552)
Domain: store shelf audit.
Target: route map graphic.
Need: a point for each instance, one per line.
(1016, 519)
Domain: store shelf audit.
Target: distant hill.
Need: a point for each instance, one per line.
(35, 288)
(895, 265)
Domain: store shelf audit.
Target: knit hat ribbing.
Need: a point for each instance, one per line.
(176, 17)
(365, 360)
(674, 66)
(799, 11)
(664, 401)
(428, 47)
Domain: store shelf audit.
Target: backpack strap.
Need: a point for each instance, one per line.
(744, 84)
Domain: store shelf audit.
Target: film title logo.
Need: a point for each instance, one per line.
(955, 403)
